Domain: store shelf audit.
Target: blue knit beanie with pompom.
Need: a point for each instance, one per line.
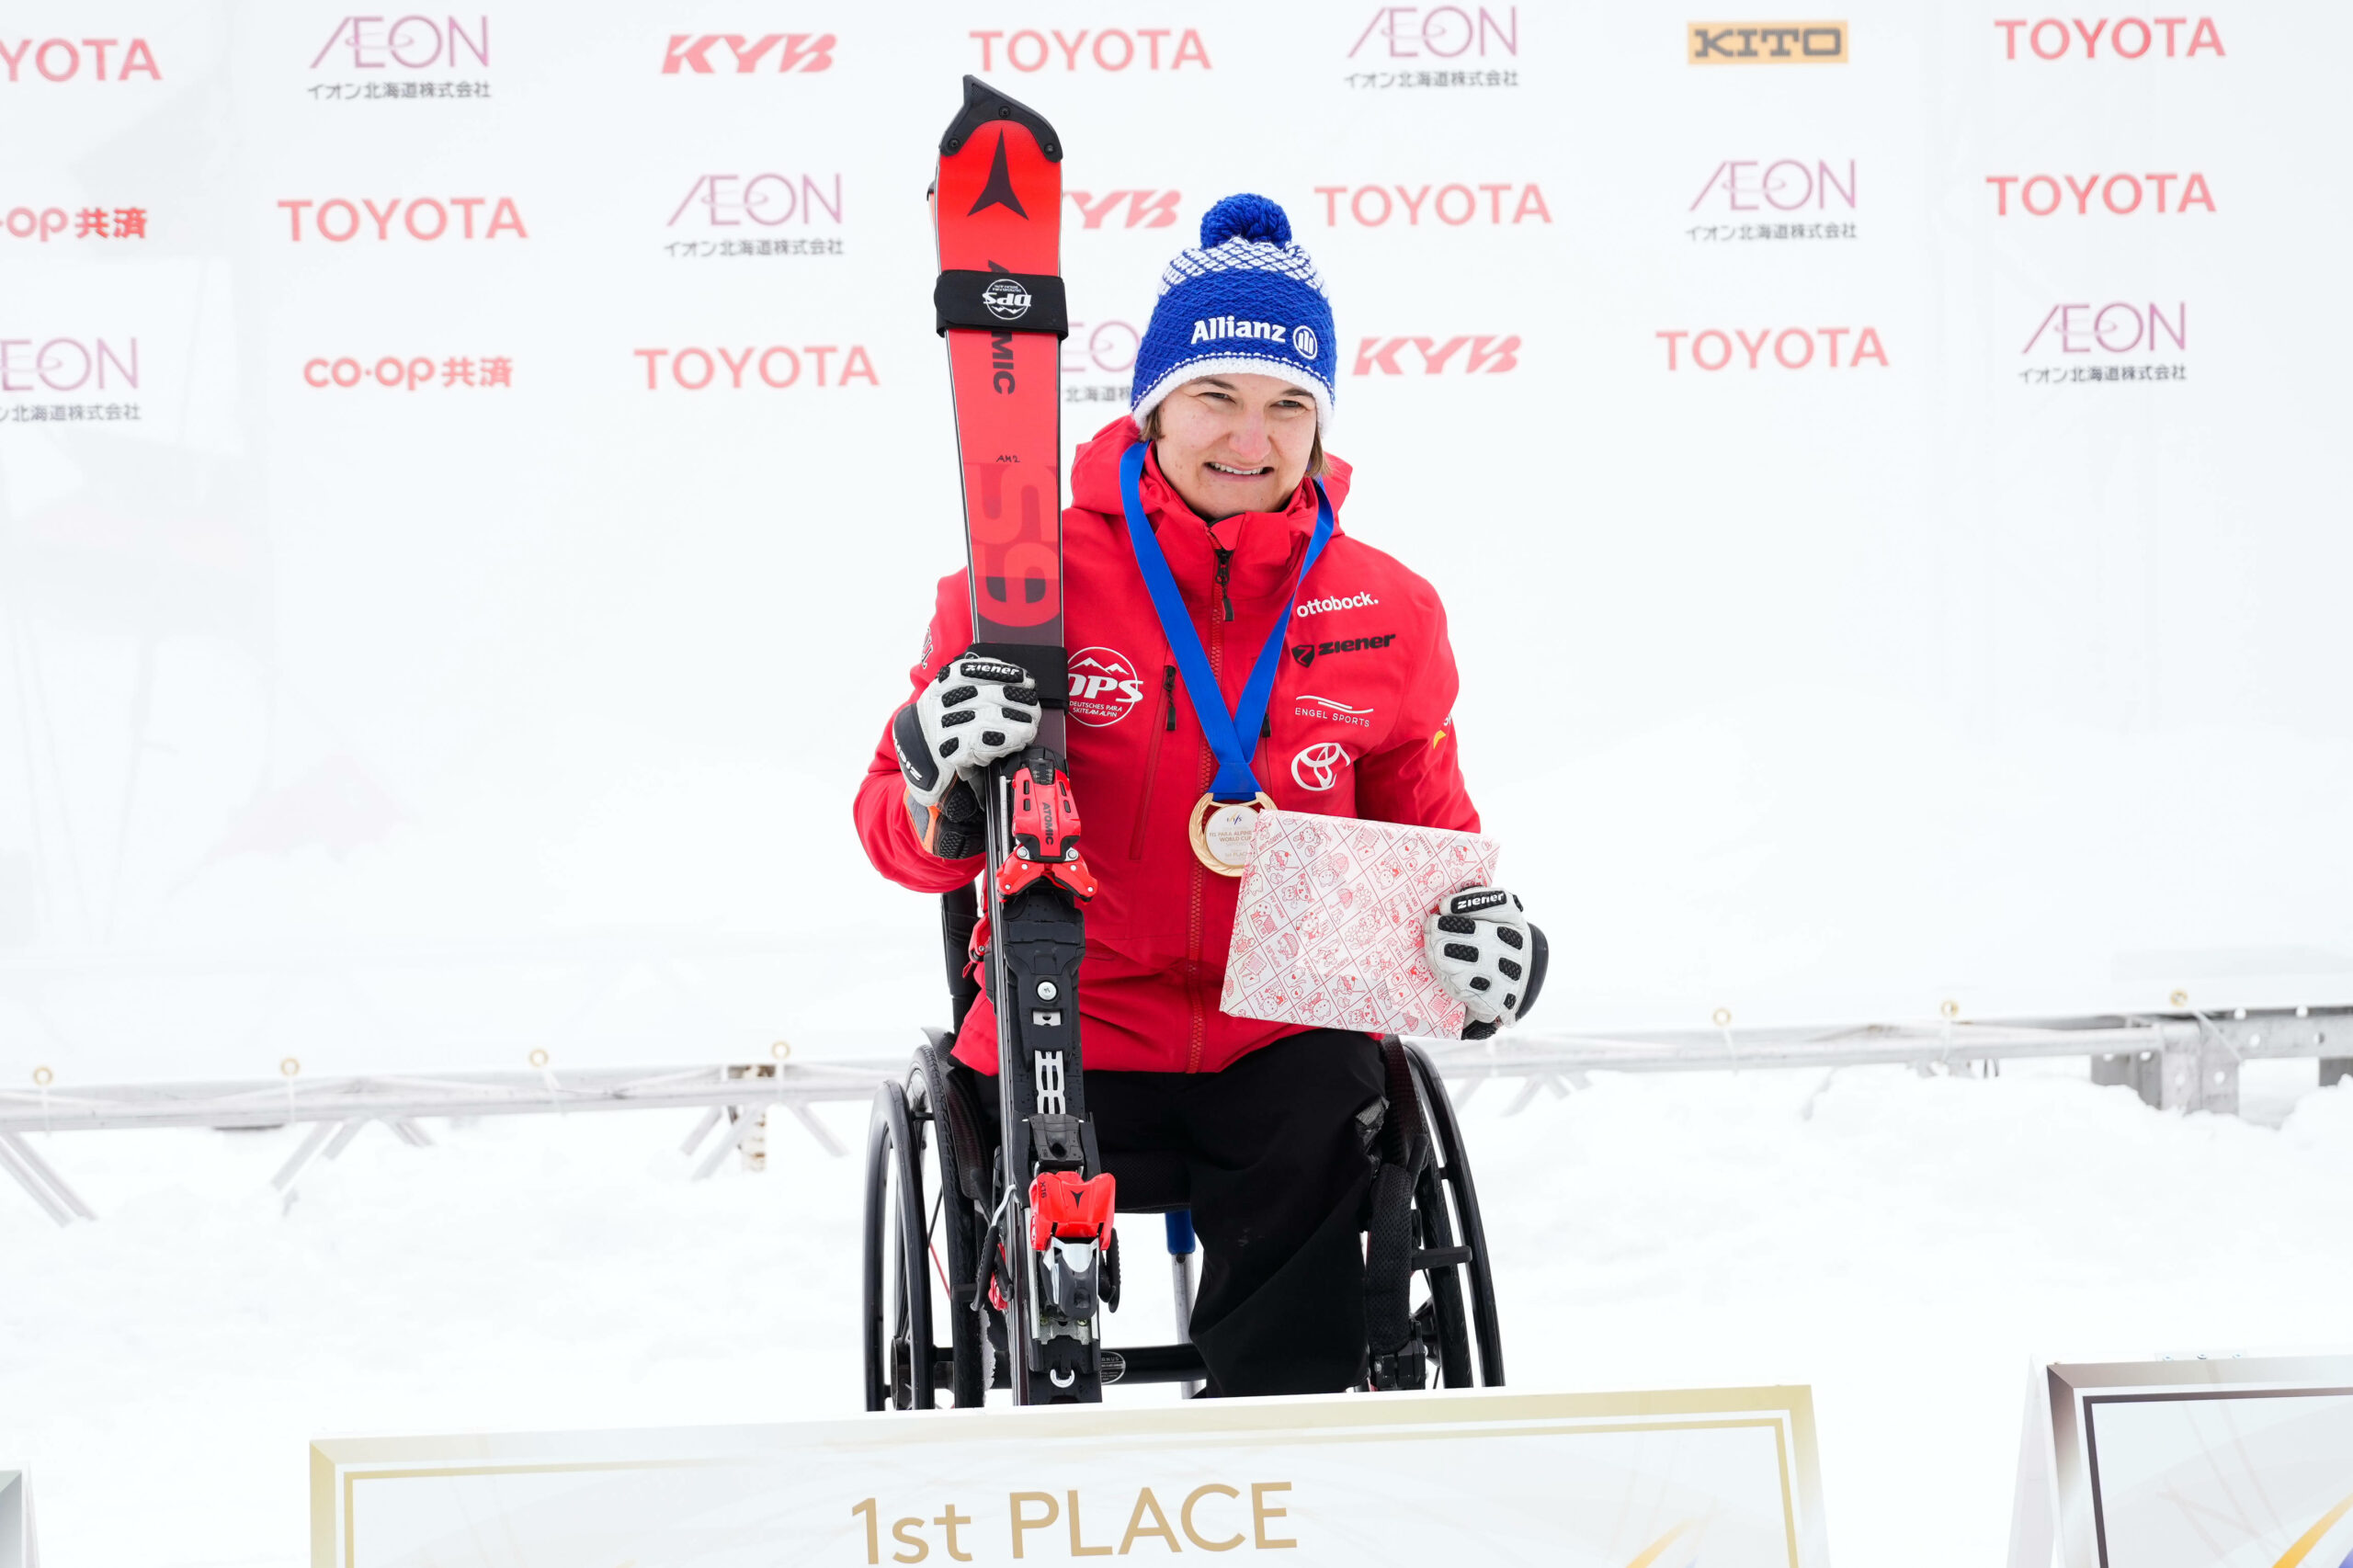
(1247, 300)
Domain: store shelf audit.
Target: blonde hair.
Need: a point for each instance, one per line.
(1152, 432)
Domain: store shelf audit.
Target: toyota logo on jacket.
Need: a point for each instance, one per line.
(1358, 726)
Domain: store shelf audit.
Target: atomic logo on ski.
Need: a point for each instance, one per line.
(998, 192)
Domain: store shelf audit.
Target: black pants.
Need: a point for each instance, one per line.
(1276, 1165)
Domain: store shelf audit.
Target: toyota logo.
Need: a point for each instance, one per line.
(1317, 767)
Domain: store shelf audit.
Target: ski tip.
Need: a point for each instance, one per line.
(982, 104)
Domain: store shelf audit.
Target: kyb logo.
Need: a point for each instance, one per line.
(1484, 355)
(1330, 710)
(410, 43)
(68, 364)
(1791, 348)
(416, 218)
(1341, 601)
(1453, 205)
(70, 60)
(1108, 48)
(2039, 195)
(1767, 43)
(1104, 686)
(705, 54)
(1437, 32)
(2128, 37)
(729, 201)
(1144, 209)
(1317, 766)
(1305, 654)
(693, 369)
(1783, 184)
(2118, 328)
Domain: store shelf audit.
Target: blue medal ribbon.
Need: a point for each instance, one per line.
(1232, 736)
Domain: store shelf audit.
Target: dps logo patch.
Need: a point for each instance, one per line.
(1766, 43)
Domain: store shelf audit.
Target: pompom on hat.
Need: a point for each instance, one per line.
(1249, 300)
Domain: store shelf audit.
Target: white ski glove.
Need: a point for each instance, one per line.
(976, 710)
(1484, 952)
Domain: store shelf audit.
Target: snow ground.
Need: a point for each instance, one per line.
(1903, 1244)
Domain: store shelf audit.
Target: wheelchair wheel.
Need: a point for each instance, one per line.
(897, 1298)
(952, 1227)
(1445, 1206)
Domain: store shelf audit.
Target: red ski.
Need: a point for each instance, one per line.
(997, 206)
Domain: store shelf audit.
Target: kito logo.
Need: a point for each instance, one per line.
(1113, 49)
(1767, 43)
(1147, 208)
(694, 370)
(2128, 37)
(1342, 601)
(1792, 348)
(804, 52)
(67, 364)
(61, 59)
(2118, 328)
(729, 201)
(1453, 205)
(420, 218)
(1104, 686)
(413, 43)
(1438, 32)
(2120, 194)
(1786, 185)
(1486, 356)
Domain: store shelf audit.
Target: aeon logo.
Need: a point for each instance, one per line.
(2130, 37)
(2118, 328)
(1147, 208)
(1441, 32)
(61, 59)
(411, 43)
(2123, 195)
(1786, 185)
(1104, 686)
(1108, 347)
(66, 364)
(1792, 348)
(1114, 49)
(1317, 766)
(692, 368)
(1486, 356)
(420, 218)
(1453, 205)
(804, 52)
(729, 201)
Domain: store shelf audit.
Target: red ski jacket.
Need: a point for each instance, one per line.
(1360, 726)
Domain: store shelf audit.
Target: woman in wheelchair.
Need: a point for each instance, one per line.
(1202, 527)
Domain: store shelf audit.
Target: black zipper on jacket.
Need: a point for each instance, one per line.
(1168, 697)
(1224, 566)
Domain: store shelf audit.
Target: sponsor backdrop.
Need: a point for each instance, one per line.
(472, 480)
(1590, 1480)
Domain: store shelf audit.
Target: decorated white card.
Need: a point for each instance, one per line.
(1328, 930)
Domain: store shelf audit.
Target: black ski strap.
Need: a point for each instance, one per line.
(1396, 1355)
(1001, 302)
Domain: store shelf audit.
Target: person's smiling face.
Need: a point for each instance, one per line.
(1235, 442)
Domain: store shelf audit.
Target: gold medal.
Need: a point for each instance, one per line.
(1220, 830)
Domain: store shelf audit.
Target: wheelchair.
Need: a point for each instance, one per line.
(934, 1181)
